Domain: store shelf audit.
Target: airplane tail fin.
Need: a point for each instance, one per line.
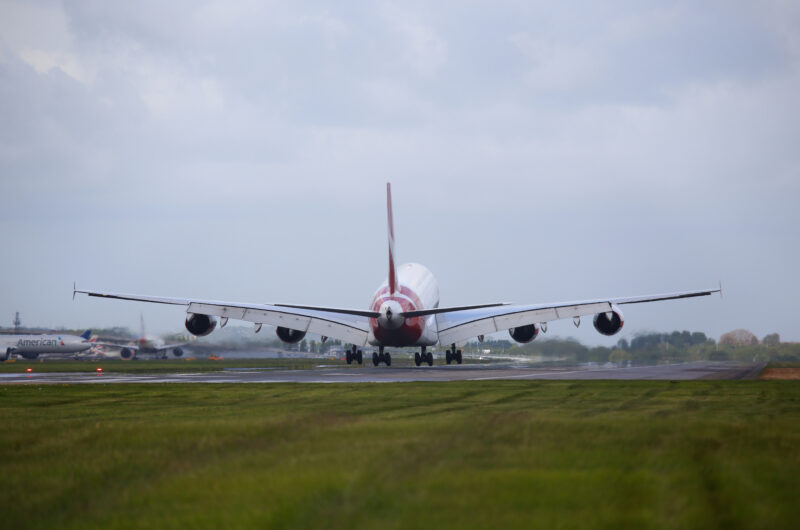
(392, 267)
(86, 334)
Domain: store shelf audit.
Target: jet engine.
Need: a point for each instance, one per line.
(126, 353)
(610, 322)
(177, 352)
(290, 336)
(200, 325)
(524, 334)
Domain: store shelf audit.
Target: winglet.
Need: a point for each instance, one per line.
(74, 290)
(392, 267)
(720, 289)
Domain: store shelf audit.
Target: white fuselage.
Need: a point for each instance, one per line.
(416, 290)
(36, 344)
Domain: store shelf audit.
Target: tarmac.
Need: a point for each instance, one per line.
(382, 374)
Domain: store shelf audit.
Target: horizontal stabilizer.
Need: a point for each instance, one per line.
(437, 310)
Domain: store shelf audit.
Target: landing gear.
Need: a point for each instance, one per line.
(381, 357)
(423, 357)
(453, 355)
(354, 354)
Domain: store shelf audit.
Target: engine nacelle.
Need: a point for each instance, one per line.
(290, 336)
(609, 323)
(177, 352)
(126, 353)
(524, 334)
(200, 325)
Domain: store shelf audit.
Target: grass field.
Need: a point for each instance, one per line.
(537, 454)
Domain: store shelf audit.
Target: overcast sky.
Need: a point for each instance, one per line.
(538, 152)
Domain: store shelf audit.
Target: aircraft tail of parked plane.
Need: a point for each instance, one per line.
(404, 312)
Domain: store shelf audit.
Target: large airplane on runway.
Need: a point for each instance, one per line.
(31, 346)
(145, 344)
(404, 312)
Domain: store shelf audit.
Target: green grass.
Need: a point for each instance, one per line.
(538, 454)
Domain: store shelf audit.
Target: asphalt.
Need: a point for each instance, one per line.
(382, 374)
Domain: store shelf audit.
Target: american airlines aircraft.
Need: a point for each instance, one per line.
(30, 346)
(404, 312)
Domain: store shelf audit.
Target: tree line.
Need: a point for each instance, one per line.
(677, 346)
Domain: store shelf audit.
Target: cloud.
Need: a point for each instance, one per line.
(580, 151)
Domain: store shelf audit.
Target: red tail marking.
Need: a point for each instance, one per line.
(392, 270)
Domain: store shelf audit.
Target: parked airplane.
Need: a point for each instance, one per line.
(31, 346)
(146, 345)
(404, 312)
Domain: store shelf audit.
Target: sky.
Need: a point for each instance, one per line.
(538, 152)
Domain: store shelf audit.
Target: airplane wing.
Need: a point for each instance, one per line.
(117, 345)
(456, 324)
(348, 325)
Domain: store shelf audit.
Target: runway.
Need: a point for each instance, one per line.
(467, 372)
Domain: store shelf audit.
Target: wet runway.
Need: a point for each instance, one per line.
(474, 372)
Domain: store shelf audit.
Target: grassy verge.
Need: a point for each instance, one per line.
(536, 454)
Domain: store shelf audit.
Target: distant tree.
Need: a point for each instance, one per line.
(617, 356)
(738, 337)
(622, 344)
(773, 339)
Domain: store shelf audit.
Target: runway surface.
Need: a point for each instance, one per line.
(382, 374)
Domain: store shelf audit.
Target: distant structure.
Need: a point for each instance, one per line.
(17, 323)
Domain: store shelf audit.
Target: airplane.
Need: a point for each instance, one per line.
(404, 313)
(31, 346)
(146, 345)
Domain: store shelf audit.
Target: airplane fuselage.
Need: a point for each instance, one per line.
(417, 289)
(150, 345)
(33, 345)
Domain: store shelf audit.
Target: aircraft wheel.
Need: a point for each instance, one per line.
(430, 359)
(448, 357)
(417, 358)
(375, 359)
(349, 358)
(458, 356)
(388, 359)
(360, 357)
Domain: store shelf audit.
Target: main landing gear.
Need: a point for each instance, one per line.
(354, 354)
(453, 355)
(381, 357)
(424, 357)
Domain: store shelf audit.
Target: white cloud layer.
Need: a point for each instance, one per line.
(238, 150)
